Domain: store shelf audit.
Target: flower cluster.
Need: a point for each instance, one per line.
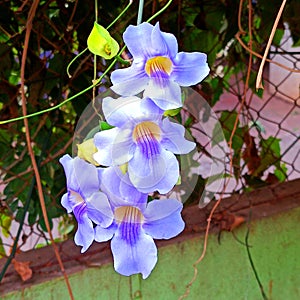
(108, 193)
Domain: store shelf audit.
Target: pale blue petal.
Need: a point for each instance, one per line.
(133, 252)
(158, 172)
(76, 201)
(84, 235)
(79, 211)
(86, 176)
(132, 196)
(119, 189)
(126, 112)
(150, 110)
(173, 138)
(82, 177)
(171, 175)
(110, 185)
(66, 203)
(99, 210)
(163, 219)
(189, 68)
(164, 44)
(130, 81)
(164, 93)
(121, 111)
(138, 41)
(103, 141)
(105, 234)
(115, 146)
(68, 164)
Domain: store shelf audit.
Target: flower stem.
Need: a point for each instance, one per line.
(140, 12)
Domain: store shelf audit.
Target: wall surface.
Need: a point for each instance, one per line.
(225, 273)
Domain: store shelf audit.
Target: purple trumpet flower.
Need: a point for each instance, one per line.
(84, 199)
(144, 140)
(135, 224)
(158, 69)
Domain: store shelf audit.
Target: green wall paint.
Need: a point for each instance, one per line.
(225, 273)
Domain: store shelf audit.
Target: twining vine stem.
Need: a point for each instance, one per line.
(189, 285)
(95, 83)
(31, 15)
(261, 67)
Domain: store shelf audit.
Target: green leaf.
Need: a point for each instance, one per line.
(227, 120)
(270, 154)
(2, 250)
(43, 225)
(172, 112)
(101, 43)
(281, 173)
(278, 36)
(65, 227)
(105, 126)
(5, 222)
(271, 145)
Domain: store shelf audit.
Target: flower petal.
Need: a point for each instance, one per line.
(189, 68)
(155, 172)
(84, 235)
(115, 146)
(82, 177)
(128, 111)
(119, 189)
(105, 234)
(164, 93)
(163, 219)
(110, 185)
(86, 176)
(66, 203)
(137, 40)
(130, 81)
(132, 196)
(68, 164)
(136, 254)
(119, 112)
(164, 44)
(173, 138)
(99, 210)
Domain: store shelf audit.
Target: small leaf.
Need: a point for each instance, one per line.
(5, 222)
(172, 112)
(281, 172)
(101, 43)
(105, 126)
(270, 154)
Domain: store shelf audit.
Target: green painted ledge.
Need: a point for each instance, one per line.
(225, 273)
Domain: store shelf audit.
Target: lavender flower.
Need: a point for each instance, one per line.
(157, 67)
(143, 139)
(135, 224)
(84, 199)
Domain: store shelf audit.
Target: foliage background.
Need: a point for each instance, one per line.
(60, 31)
